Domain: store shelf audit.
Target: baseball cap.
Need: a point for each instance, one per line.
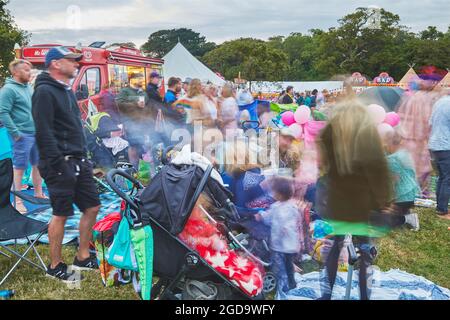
(58, 53)
(188, 81)
(155, 74)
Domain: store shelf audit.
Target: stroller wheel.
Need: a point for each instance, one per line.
(270, 283)
(196, 290)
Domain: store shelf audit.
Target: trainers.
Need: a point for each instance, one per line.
(413, 221)
(85, 265)
(60, 272)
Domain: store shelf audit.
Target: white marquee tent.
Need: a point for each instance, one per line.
(179, 62)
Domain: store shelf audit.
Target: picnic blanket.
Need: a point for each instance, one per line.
(110, 203)
(390, 285)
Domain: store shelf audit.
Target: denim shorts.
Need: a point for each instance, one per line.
(25, 151)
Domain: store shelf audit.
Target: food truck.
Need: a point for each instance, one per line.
(100, 68)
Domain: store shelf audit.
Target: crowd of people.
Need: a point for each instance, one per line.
(312, 99)
(353, 176)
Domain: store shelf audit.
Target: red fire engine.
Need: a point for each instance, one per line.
(100, 68)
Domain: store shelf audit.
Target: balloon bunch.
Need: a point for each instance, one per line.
(385, 121)
(296, 121)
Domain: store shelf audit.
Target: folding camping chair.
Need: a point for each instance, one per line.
(14, 226)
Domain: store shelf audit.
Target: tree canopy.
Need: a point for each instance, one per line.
(254, 59)
(326, 54)
(161, 42)
(10, 35)
(352, 46)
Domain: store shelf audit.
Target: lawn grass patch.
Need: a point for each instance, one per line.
(425, 253)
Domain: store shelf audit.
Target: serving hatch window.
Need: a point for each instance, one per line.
(123, 76)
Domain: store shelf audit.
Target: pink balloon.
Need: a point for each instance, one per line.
(288, 118)
(377, 113)
(296, 130)
(384, 129)
(392, 119)
(302, 114)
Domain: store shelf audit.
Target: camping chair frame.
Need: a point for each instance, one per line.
(23, 256)
(31, 243)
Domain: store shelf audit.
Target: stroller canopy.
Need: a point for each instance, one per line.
(171, 196)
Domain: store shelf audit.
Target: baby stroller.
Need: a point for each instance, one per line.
(166, 205)
(97, 128)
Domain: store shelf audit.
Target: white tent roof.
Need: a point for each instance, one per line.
(179, 62)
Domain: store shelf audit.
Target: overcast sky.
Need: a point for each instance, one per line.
(86, 21)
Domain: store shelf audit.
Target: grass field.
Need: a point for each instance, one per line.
(425, 253)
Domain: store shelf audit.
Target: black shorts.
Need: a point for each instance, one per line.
(70, 186)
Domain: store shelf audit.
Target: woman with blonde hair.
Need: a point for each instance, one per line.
(228, 111)
(199, 111)
(247, 181)
(211, 94)
(356, 183)
(194, 105)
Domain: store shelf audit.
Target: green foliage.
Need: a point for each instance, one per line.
(161, 42)
(324, 55)
(354, 46)
(431, 47)
(317, 55)
(256, 60)
(10, 34)
(424, 253)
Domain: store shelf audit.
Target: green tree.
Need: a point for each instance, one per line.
(276, 42)
(10, 35)
(355, 46)
(432, 33)
(161, 42)
(302, 52)
(255, 59)
(430, 48)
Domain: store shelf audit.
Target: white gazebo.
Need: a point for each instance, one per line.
(179, 62)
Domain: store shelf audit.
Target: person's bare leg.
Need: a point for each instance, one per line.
(37, 183)
(86, 223)
(56, 236)
(18, 176)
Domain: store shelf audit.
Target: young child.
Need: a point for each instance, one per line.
(284, 219)
(401, 166)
